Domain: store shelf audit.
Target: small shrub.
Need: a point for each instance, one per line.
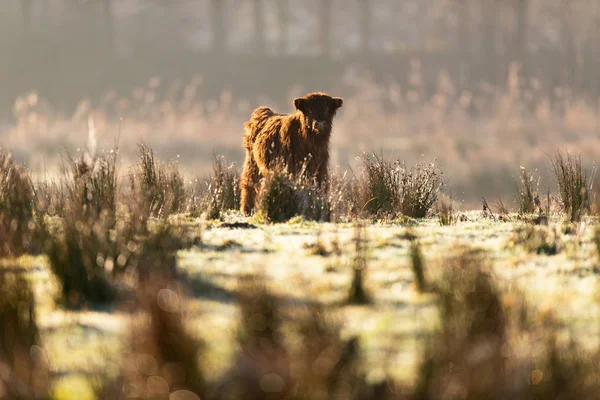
(313, 202)
(343, 369)
(344, 196)
(472, 319)
(445, 212)
(223, 190)
(94, 185)
(260, 338)
(156, 259)
(276, 199)
(282, 197)
(255, 299)
(527, 193)
(481, 336)
(470, 302)
(420, 188)
(90, 257)
(572, 185)
(89, 184)
(315, 364)
(152, 195)
(382, 186)
(161, 186)
(81, 254)
(199, 200)
(392, 188)
(50, 198)
(133, 214)
(168, 356)
(87, 246)
(16, 208)
(24, 365)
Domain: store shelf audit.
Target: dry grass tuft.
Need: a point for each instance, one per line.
(382, 187)
(445, 212)
(161, 186)
(25, 370)
(223, 188)
(392, 189)
(17, 213)
(282, 197)
(92, 187)
(527, 194)
(574, 184)
(482, 335)
(163, 357)
(82, 255)
(344, 196)
(302, 357)
(472, 319)
(98, 261)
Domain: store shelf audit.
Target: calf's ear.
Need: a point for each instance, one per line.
(338, 102)
(300, 104)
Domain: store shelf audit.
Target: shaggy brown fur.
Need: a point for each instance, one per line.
(298, 141)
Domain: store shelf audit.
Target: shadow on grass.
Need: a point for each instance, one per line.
(203, 288)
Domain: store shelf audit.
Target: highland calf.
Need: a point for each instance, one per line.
(298, 142)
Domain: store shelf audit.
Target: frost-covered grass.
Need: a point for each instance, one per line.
(305, 262)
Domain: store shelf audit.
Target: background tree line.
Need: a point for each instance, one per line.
(69, 49)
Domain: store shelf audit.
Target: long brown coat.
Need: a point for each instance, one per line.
(298, 142)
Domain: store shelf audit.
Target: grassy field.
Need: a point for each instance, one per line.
(147, 287)
(478, 138)
(307, 262)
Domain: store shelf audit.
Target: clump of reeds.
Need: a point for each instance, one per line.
(25, 370)
(527, 193)
(161, 186)
(223, 188)
(283, 196)
(391, 188)
(17, 212)
(573, 184)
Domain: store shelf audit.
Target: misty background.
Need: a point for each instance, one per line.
(481, 86)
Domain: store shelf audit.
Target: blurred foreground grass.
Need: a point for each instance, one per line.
(86, 344)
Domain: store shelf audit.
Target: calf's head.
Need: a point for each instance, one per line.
(319, 110)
